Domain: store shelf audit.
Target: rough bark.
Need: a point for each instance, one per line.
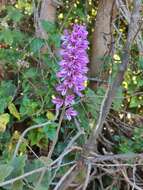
(102, 37)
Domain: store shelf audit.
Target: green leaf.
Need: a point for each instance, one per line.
(55, 40)
(7, 90)
(18, 164)
(50, 130)
(48, 26)
(18, 37)
(7, 36)
(5, 171)
(36, 45)
(31, 73)
(13, 111)
(134, 102)
(14, 14)
(28, 106)
(50, 115)
(35, 164)
(35, 137)
(4, 119)
(3, 104)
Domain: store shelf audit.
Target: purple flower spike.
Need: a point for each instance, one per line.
(70, 112)
(73, 68)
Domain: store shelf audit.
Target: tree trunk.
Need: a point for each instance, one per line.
(102, 39)
(48, 13)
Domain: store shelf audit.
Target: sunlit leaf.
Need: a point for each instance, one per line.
(50, 115)
(4, 119)
(13, 111)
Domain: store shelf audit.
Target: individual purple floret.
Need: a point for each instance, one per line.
(70, 112)
(58, 101)
(73, 68)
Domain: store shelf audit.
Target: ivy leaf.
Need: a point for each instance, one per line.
(4, 119)
(5, 171)
(13, 111)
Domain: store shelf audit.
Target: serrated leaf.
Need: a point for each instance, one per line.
(5, 171)
(4, 119)
(13, 111)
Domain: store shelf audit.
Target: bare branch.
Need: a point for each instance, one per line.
(122, 157)
(64, 177)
